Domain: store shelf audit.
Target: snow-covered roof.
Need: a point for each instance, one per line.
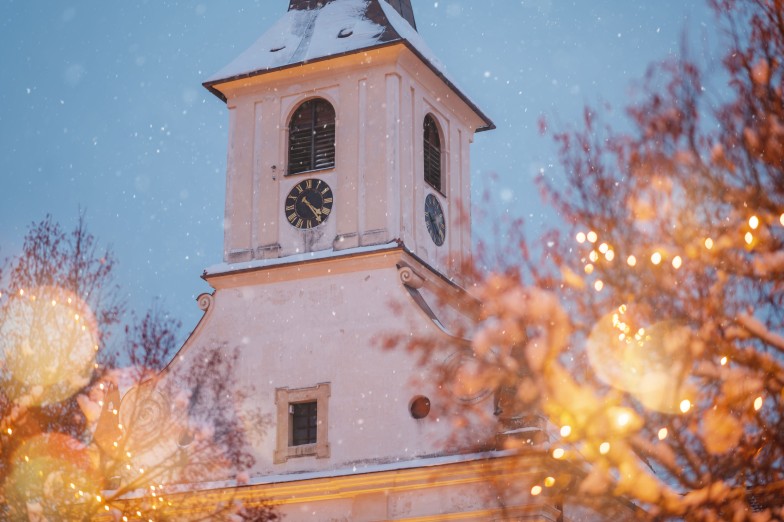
(317, 31)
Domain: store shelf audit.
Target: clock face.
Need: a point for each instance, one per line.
(309, 203)
(434, 219)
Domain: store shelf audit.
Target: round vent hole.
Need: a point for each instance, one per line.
(420, 407)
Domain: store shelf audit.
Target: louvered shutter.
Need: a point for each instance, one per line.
(312, 137)
(432, 153)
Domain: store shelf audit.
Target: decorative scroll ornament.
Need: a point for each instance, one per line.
(145, 415)
(410, 278)
(205, 301)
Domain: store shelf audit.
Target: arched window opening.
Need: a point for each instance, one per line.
(432, 153)
(312, 137)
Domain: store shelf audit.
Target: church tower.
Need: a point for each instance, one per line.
(347, 219)
(346, 132)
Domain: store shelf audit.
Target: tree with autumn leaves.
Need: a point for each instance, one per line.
(69, 351)
(648, 326)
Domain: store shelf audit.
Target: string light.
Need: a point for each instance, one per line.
(580, 237)
(677, 262)
(749, 238)
(603, 248)
(656, 258)
(589, 269)
(536, 490)
(598, 285)
(753, 222)
(723, 361)
(593, 256)
(604, 448)
(631, 261)
(592, 237)
(609, 255)
(708, 243)
(623, 419)
(781, 219)
(685, 405)
(662, 433)
(758, 404)
(558, 453)
(566, 431)
(549, 482)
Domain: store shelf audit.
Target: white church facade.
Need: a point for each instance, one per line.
(348, 196)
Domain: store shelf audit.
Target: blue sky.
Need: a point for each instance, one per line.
(102, 108)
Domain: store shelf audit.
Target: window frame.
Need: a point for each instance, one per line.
(284, 399)
(428, 154)
(328, 130)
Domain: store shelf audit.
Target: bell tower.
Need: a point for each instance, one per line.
(346, 132)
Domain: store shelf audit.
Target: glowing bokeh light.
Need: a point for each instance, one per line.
(593, 256)
(48, 350)
(536, 490)
(631, 261)
(558, 453)
(663, 433)
(609, 255)
(708, 243)
(758, 404)
(566, 431)
(549, 482)
(647, 362)
(580, 237)
(749, 238)
(685, 405)
(656, 258)
(677, 262)
(589, 269)
(603, 248)
(592, 236)
(781, 220)
(604, 448)
(753, 222)
(724, 361)
(598, 285)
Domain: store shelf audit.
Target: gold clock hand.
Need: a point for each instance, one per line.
(316, 212)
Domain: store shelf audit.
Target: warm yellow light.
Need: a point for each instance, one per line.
(685, 405)
(677, 262)
(622, 309)
(623, 419)
(54, 303)
(753, 222)
(598, 285)
(566, 431)
(656, 258)
(749, 238)
(781, 220)
(662, 433)
(631, 261)
(558, 453)
(10, 431)
(592, 237)
(580, 237)
(536, 490)
(609, 255)
(21, 291)
(604, 448)
(593, 256)
(724, 361)
(589, 268)
(604, 247)
(708, 243)
(758, 404)
(97, 498)
(549, 482)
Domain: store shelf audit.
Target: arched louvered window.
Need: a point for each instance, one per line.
(312, 137)
(432, 153)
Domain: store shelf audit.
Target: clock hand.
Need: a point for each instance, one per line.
(316, 212)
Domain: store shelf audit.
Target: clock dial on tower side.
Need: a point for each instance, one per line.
(308, 204)
(434, 219)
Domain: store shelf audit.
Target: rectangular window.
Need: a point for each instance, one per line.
(304, 423)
